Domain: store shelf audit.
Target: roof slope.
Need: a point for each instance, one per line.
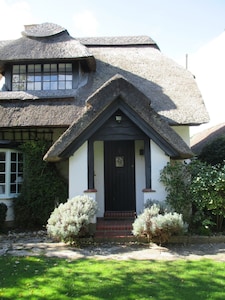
(44, 41)
(118, 90)
(201, 139)
(172, 89)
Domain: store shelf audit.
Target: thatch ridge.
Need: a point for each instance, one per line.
(118, 87)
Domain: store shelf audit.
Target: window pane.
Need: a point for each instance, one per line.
(2, 178)
(13, 156)
(30, 68)
(13, 167)
(53, 67)
(20, 157)
(37, 68)
(37, 86)
(37, 77)
(2, 167)
(46, 86)
(30, 78)
(2, 189)
(69, 85)
(53, 85)
(46, 77)
(13, 188)
(16, 78)
(69, 67)
(22, 69)
(62, 76)
(13, 178)
(2, 156)
(16, 69)
(46, 67)
(62, 85)
(30, 86)
(53, 77)
(68, 77)
(62, 67)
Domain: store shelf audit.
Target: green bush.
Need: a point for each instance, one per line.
(42, 187)
(70, 220)
(158, 226)
(3, 211)
(176, 177)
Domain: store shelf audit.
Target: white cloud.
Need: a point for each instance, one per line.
(85, 24)
(13, 18)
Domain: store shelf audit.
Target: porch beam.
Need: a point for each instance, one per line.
(147, 153)
(90, 164)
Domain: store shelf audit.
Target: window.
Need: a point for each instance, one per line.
(11, 173)
(36, 77)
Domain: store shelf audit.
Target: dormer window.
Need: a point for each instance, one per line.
(36, 77)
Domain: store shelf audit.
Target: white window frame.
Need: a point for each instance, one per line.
(18, 173)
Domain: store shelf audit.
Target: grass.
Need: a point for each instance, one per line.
(60, 279)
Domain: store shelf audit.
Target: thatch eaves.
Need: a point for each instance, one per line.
(116, 93)
(205, 137)
(44, 43)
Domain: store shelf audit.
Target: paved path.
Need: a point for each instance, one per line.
(37, 243)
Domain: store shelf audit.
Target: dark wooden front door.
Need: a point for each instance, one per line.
(119, 176)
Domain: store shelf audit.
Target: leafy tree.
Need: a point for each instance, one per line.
(42, 187)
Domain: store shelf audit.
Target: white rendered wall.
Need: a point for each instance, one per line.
(99, 176)
(139, 175)
(78, 166)
(184, 133)
(158, 161)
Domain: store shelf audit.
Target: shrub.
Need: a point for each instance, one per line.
(70, 220)
(3, 211)
(158, 226)
(176, 177)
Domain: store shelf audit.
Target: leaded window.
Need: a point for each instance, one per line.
(11, 172)
(36, 77)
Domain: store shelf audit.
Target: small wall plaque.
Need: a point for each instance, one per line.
(119, 161)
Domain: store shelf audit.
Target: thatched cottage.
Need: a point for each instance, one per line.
(115, 109)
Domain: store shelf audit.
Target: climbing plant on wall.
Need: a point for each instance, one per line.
(42, 187)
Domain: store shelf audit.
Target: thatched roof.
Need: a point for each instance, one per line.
(120, 93)
(172, 89)
(167, 94)
(44, 41)
(201, 139)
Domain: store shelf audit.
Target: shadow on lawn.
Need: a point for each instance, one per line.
(50, 278)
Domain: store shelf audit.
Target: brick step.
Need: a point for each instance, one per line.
(113, 233)
(104, 224)
(119, 214)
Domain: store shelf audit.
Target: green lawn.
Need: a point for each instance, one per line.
(51, 278)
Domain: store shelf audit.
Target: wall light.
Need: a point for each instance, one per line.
(118, 119)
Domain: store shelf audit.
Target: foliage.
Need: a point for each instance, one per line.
(53, 278)
(3, 211)
(197, 189)
(71, 219)
(208, 191)
(214, 152)
(176, 177)
(155, 225)
(42, 187)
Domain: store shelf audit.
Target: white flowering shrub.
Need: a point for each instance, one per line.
(70, 220)
(158, 226)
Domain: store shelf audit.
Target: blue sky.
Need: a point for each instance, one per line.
(178, 26)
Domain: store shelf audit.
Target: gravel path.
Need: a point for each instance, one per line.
(37, 243)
